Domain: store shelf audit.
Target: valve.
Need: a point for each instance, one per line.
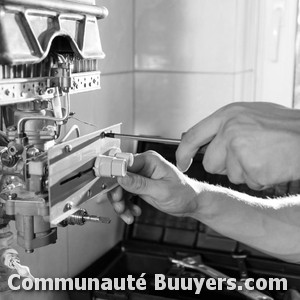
(116, 152)
(107, 166)
(81, 216)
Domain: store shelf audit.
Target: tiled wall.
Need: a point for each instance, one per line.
(169, 63)
(191, 57)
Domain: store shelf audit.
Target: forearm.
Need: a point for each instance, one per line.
(269, 225)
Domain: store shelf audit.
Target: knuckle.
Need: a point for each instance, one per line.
(152, 155)
(151, 152)
(231, 128)
(233, 111)
(237, 146)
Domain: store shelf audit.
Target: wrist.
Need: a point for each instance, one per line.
(195, 203)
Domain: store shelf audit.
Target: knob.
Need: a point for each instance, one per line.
(116, 152)
(107, 166)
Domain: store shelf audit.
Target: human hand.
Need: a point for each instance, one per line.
(254, 143)
(159, 183)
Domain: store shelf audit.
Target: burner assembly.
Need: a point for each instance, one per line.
(49, 50)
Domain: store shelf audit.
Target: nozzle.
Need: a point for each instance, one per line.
(81, 217)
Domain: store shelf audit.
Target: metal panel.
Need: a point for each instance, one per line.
(71, 175)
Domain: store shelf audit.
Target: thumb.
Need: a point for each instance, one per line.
(135, 184)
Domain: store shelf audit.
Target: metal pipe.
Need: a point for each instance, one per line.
(64, 117)
(144, 138)
(74, 128)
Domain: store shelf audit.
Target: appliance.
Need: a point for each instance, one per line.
(49, 50)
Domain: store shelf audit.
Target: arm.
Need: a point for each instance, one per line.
(269, 225)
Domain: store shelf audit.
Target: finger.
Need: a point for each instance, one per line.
(252, 184)
(144, 163)
(136, 184)
(234, 170)
(214, 160)
(119, 207)
(127, 216)
(136, 210)
(116, 194)
(101, 198)
(199, 135)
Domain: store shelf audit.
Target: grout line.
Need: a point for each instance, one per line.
(133, 67)
(194, 72)
(177, 72)
(116, 73)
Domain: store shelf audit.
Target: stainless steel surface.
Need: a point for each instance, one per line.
(62, 6)
(41, 27)
(196, 263)
(75, 183)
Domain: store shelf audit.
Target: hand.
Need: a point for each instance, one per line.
(254, 143)
(159, 183)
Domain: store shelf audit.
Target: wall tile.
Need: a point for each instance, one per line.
(169, 104)
(49, 261)
(87, 243)
(111, 105)
(186, 35)
(116, 32)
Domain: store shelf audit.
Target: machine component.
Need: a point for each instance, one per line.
(116, 152)
(144, 138)
(106, 166)
(49, 51)
(81, 217)
(76, 183)
(153, 139)
(196, 263)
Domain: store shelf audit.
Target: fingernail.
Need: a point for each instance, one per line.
(184, 168)
(127, 219)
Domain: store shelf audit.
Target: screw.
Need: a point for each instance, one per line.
(68, 148)
(103, 186)
(68, 206)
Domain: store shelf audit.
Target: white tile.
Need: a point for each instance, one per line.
(87, 243)
(116, 32)
(48, 261)
(191, 35)
(169, 104)
(111, 105)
